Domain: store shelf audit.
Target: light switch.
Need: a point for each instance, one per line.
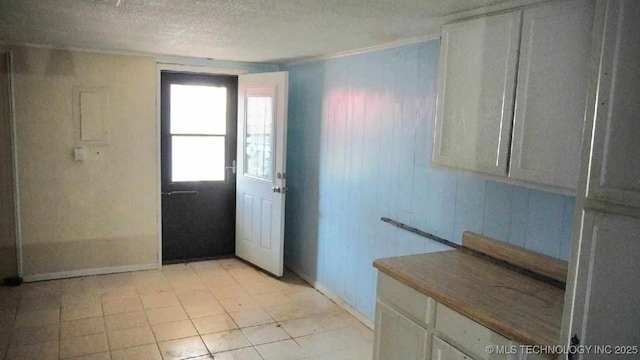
(79, 154)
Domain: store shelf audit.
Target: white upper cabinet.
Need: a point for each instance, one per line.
(553, 76)
(476, 81)
(537, 59)
(615, 164)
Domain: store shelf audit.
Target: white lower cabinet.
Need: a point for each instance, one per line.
(397, 337)
(443, 351)
(412, 326)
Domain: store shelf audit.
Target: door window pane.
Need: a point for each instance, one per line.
(198, 109)
(197, 158)
(258, 141)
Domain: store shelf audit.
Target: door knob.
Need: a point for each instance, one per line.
(276, 189)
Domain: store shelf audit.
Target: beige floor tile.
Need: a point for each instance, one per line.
(6, 330)
(120, 305)
(248, 353)
(85, 284)
(281, 350)
(261, 287)
(34, 335)
(159, 300)
(118, 292)
(182, 285)
(85, 298)
(163, 315)
(153, 287)
(126, 321)
(77, 312)
(318, 323)
(333, 340)
(229, 292)
(35, 318)
(83, 327)
(225, 341)
(251, 317)
(122, 339)
(300, 309)
(148, 277)
(182, 348)
(98, 356)
(263, 334)
(144, 352)
(114, 280)
(359, 352)
(207, 264)
(219, 280)
(174, 270)
(85, 345)
(239, 304)
(44, 351)
(272, 298)
(40, 303)
(233, 263)
(198, 310)
(196, 296)
(214, 323)
(41, 288)
(174, 330)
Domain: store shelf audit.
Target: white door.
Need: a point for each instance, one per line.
(261, 176)
(476, 85)
(551, 94)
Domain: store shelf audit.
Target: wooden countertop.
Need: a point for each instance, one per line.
(514, 305)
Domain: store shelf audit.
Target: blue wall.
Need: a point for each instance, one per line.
(359, 148)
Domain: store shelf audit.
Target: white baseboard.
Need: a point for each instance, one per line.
(88, 272)
(331, 295)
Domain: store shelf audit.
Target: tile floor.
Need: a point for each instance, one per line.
(222, 309)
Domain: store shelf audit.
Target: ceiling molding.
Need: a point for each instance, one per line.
(391, 45)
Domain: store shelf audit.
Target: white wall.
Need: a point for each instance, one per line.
(101, 212)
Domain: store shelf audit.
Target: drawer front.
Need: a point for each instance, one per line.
(414, 305)
(442, 351)
(469, 334)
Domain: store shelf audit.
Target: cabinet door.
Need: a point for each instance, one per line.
(615, 165)
(443, 351)
(397, 337)
(476, 80)
(551, 95)
(605, 308)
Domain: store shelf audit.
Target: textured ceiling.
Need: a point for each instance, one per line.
(242, 30)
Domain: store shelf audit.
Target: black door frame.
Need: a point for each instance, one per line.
(176, 68)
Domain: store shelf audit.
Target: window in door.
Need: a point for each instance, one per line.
(198, 132)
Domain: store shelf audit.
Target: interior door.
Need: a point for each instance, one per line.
(198, 146)
(261, 178)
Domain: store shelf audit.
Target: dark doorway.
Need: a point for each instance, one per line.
(198, 146)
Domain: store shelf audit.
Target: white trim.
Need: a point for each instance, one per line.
(331, 295)
(395, 44)
(159, 69)
(197, 69)
(89, 272)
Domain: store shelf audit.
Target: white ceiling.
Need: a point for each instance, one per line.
(242, 30)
